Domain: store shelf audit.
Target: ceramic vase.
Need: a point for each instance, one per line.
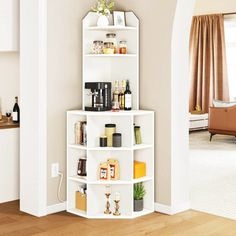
(102, 21)
(138, 205)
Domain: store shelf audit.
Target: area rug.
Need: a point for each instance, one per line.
(213, 174)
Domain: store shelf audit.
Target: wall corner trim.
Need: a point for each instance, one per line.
(172, 210)
(56, 208)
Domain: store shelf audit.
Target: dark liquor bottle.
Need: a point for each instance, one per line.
(128, 97)
(16, 112)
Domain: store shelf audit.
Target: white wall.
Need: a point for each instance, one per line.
(9, 79)
(214, 6)
(33, 90)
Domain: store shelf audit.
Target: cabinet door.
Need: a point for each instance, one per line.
(9, 165)
(9, 25)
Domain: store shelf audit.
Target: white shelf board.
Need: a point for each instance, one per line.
(110, 113)
(110, 28)
(111, 182)
(111, 55)
(110, 149)
(142, 213)
(144, 179)
(75, 146)
(78, 212)
(111, 216)
(78, 179)
(135, 147)
(142, 146)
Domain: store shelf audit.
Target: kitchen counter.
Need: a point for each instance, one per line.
(5, 125)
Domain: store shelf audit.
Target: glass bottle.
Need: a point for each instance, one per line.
(16, 112)
(122, 95)
(128, 97)
(116, 92)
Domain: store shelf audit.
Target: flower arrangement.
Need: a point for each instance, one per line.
(104, 7)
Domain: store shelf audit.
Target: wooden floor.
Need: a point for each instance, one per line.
(190, 223)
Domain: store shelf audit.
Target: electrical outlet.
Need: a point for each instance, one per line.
(54, 170)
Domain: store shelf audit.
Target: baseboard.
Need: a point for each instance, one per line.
(172, 210)
(56, 208)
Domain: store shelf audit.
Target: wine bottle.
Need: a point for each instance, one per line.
(16, 112)
(122, 95)
(128, 97)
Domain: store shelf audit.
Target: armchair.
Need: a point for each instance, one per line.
(222, 120)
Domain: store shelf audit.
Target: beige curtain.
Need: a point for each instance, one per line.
(207, 62)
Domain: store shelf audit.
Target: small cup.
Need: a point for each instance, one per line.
(117, 140)
(103, 141)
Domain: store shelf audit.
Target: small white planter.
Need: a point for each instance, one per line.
(102, 21)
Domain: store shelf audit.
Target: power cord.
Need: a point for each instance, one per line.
(59, 187)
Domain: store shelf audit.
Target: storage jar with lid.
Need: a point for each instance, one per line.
(110, 129)
(116, 142)
(97, 47)
(111, 38)
(108, 48)
(123, 47)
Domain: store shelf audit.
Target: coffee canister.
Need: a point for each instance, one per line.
(110, 129)
(117, 140)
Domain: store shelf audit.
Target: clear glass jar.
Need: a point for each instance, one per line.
(108, 48)
(111, 38)
(97, 47)
(123, 47)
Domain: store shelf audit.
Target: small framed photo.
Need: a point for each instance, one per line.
(119, 18)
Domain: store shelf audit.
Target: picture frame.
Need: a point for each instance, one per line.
(119, 18)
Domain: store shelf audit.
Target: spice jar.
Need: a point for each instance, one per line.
(123, 47)
(103, 141)
(110, 129)
(137, 133)
(97, 47)
(111, 38)
(108, 48)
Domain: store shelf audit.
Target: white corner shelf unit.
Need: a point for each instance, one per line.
(126, 156)
(109, 68)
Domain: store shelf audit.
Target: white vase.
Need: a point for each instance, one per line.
(102, 21)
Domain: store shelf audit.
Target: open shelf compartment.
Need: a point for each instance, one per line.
(97, 201)
(125, 159)
(96, 129)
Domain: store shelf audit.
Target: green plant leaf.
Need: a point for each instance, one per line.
(139, 191)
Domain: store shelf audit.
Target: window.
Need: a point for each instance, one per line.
(230, 40)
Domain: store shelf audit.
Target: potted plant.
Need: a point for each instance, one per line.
(103, 8)
(139, 193)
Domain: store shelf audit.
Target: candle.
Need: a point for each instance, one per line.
(108, 189)
(117, 196)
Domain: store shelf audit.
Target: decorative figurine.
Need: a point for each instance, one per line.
(108, 194)
(117, 201)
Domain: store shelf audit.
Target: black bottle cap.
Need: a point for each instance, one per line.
(110, 125)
